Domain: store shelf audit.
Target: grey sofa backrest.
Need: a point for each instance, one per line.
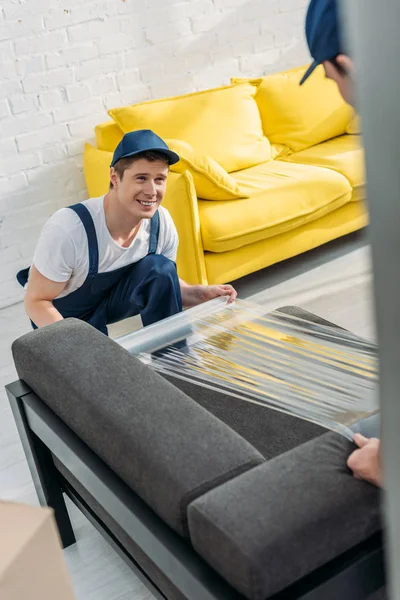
(269, 527)
(165, 446)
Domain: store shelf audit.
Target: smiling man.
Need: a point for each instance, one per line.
(113, 257)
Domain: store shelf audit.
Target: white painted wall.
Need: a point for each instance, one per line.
(64, 63)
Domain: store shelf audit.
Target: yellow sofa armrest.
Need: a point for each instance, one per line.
(96, 168)
(181, 201)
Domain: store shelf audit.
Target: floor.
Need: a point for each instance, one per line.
(333, 282)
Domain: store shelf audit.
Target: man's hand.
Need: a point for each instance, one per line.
(192, 295)
(365, 461)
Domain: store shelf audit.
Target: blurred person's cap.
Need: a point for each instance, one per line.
(322, 33)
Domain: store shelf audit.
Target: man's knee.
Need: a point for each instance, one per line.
(159, 291)
(160, 266)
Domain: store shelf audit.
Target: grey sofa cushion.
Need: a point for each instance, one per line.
(271, 526)
(165, 446)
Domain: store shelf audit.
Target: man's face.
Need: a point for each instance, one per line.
(342, 76)
(142, 187)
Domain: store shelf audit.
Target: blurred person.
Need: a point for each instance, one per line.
(327, 49)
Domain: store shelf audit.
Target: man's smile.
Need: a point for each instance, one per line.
(147, 202)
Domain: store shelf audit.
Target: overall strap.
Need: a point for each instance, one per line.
(87, 221)
(154, 231)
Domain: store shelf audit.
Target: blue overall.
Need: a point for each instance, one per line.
(149, 287)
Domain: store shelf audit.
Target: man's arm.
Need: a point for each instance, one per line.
(39, 296)
(192, 295)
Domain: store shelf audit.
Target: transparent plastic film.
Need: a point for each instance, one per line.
(315, 372)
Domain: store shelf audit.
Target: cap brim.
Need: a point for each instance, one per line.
(172, 157)
(309, 71)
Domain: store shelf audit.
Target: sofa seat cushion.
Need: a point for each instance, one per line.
(224, 123)
(281, 197)
(305, 509)
(161, 443)
(229, 266)
(343, 154)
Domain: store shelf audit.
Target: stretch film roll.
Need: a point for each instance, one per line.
(315, 372)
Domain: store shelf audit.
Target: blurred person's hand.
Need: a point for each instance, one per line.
(365, 461)
(341, 71)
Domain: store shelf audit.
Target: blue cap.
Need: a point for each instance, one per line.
(322, 33)
(142, 140)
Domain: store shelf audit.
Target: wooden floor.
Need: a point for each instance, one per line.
(333, 282)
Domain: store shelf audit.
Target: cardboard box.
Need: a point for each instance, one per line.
(32, 565)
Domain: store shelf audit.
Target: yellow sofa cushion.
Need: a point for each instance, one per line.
(223, 123)
(211, 181)
(301, 116)
(282, 196)
(96, 167)
(108, 136)
(343, 154)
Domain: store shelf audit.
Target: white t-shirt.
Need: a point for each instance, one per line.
(62, 252)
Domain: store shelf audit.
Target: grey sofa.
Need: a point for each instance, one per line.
(205, 496)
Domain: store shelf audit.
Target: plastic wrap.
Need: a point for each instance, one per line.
(315, 372)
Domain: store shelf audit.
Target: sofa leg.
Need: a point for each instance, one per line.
(51, 489)
(44, 474)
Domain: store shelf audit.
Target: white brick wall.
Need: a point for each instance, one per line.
(62, 65)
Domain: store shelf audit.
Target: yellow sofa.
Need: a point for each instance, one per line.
(268, 170)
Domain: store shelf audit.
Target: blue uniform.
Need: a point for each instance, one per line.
(149, 287)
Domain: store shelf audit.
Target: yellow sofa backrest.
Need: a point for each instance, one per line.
(300, 116)
(108, 136)
(223, 123)
(232, 125)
